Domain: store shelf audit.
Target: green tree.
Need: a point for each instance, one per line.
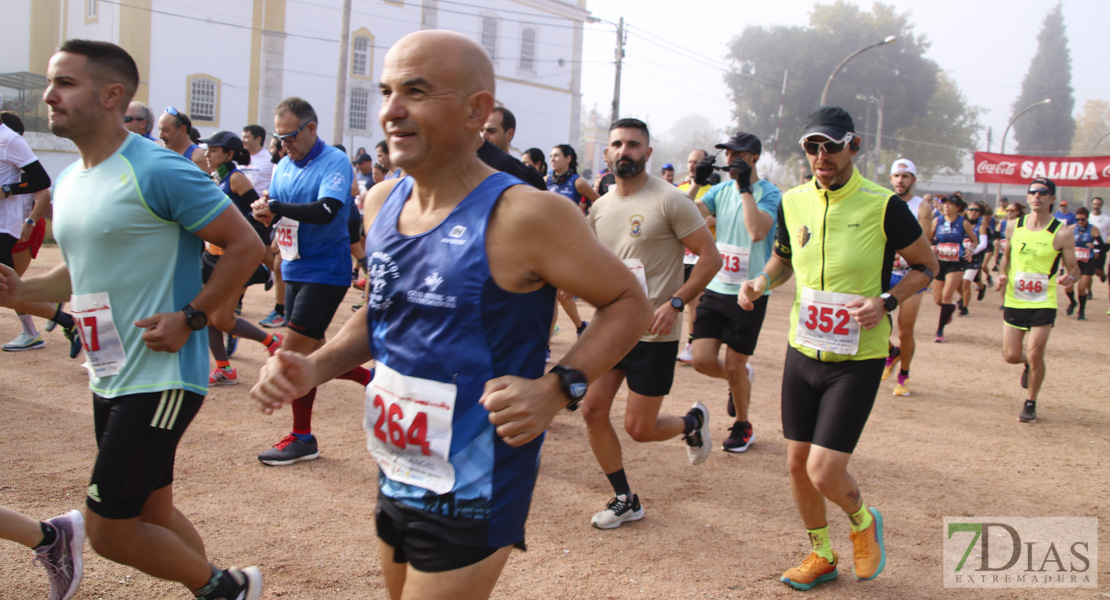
(1047, 129)
(921, 106)
(1090, 128)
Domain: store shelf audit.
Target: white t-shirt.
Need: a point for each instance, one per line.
(1102, 222)
(259, 171)
(14, 155)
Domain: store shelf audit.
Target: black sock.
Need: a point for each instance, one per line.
(690, 339)
(1071, 296)
(62, 318)
(946, 311)
(960, 303)
(1083, 304)
(49, 534)
(619, 482)
(279, 309)
(690, 423)
(904, 372)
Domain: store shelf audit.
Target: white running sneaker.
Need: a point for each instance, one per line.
(698, 443)
(687, 355)
(24, 342)
(619, 510)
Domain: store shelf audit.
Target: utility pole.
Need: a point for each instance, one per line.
(341, 79)
(782, 101)
(879, 141)
(990, 133)
(616, 84)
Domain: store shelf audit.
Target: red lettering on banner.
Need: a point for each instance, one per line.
(1080, 171)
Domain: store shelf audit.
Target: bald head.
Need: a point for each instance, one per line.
(451, 54)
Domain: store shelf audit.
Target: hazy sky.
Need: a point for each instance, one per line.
(986, 45)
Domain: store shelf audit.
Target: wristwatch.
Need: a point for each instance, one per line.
(677, 303)
(889, 302)
(195, 319)
(29, 221)
(574, 384)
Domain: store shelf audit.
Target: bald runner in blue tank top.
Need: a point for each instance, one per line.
(436, 318)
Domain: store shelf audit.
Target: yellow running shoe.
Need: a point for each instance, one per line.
(870, 553)
(891, 360)
(903, 387)
(813, 571)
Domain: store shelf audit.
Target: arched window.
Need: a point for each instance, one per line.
(362, 53)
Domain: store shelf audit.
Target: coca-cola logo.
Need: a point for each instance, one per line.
(1001, 168)
(1106, 171)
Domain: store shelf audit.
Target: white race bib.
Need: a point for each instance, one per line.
(1031, 287)
(637, 269)
(408, 428)
(104, 354)
(824, 323)
(948, 252)
(286, 234)
(1083, 254)
(734, 269)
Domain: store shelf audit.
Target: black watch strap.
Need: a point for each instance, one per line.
(574, 384)
(195, 319)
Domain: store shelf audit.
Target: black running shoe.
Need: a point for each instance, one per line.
(1028, 412)
(982, 293)
(1025, 377)
(1071, 308)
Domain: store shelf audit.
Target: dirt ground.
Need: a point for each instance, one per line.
(725, 529)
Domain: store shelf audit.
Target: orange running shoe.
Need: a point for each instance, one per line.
(813, 571)
(870, 553)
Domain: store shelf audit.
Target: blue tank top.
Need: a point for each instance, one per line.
(435, 313)
(1083, 235)
(189, 151)
(566, 188)
(225, 187)
(951, 233)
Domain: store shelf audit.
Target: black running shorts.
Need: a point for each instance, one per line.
(309, 307)
(1087, 268)
(7, 242)
(720, 318)
(649, 367)
(429, 542)
(137, 439)
(828, 403)
(1027, 318)
(947, 267)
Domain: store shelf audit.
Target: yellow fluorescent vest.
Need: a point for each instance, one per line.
(838, 244)
(1031, 252)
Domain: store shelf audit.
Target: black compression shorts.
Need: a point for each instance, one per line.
(309, 307)
(828, 403)
(137, 437)
(947, 267)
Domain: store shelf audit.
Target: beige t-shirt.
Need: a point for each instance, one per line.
(645, 230)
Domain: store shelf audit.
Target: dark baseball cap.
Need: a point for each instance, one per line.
(743, 142)
(830, 122)
(364, 157)
(1048, 183)
(225, 140)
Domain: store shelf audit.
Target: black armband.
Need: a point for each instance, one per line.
(249, 197)
(926, 271)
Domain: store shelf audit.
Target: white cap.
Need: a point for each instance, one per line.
(903, 165)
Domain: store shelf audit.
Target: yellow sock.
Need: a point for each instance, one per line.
(819, 539)
(861, 519)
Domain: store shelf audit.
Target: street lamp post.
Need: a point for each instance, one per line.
(876, 155)
(998, 195)
(890, 39)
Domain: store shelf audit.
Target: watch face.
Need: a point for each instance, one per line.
(577, 390)
(677, 303)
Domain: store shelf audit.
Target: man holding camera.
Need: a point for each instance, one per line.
(744, 207)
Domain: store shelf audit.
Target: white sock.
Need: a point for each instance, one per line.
(28, 323)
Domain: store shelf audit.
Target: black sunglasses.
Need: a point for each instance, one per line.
(1039, 192)
(128, 119)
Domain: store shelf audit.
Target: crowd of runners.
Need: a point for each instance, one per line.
(463, 253)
